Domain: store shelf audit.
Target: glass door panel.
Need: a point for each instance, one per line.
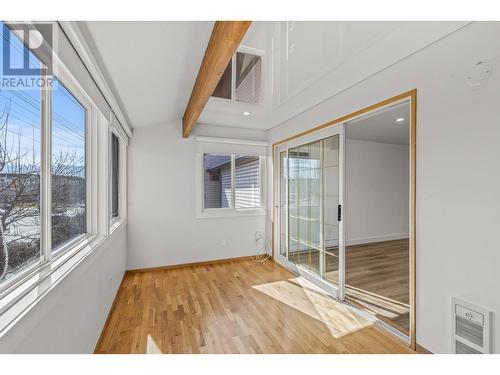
(314, 214)
(331, 180)
(310, 194)
(304, 200)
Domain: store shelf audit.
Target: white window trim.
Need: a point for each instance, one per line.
(19, 294)
(212, 213)
(115, 222)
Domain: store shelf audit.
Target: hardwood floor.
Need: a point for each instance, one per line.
(377, 277)
(235, 307)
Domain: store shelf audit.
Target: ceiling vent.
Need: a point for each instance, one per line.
(470, 328)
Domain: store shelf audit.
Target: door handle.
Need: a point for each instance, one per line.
(339, 212)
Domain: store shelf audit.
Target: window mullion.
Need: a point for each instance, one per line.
(45, 174)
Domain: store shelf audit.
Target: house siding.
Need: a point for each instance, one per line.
(217, 181)
(226, 187)
(247, 182)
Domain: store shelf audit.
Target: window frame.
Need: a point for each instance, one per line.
(113, 219)
(31, 284)
(47, 254)
(114, 222)
(79, 95)
(232, 211)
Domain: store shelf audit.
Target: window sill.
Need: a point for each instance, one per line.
(16, 301)
(216, 213)
(116, 223)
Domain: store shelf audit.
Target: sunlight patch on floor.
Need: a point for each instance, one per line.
(307, 298)
(152, 347)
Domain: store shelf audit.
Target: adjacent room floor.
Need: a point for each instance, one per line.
(235, 307)
(377, 279)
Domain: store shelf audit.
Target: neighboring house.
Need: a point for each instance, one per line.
(218, 182)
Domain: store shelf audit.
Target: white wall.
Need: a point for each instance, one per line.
(458, 151)
(377, 191)
(70, 318)
(163, 228)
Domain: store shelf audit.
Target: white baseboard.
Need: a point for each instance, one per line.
(387, 237)
(360, 241)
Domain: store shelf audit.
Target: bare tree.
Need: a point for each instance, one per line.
(20, 197)
(18, 191)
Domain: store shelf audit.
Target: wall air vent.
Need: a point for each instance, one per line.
(470, 328)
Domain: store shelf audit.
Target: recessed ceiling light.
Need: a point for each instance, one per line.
(400, 119)
(246, 113)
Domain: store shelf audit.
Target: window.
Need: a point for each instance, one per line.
(51, 179)
(24, 118)
(242, 79)
(68, 167)
(248, 78)
(115, 149)
(217, 181)
(20, 134)
(232, 181)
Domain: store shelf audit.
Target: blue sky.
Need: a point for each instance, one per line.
(68, 116)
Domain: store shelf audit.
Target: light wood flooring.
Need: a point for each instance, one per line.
(235, 307)
(377, 277)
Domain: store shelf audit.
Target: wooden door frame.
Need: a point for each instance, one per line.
(412, 97)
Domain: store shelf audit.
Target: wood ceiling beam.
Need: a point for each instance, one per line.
(225, 39)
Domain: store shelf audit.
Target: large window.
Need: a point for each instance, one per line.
(26, 176)
(232, 181)
(68, 167)
(57, 174)
(20, 133)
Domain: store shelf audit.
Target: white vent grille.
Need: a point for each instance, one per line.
(471, 328)
(461, 348)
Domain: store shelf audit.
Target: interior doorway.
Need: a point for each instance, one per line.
(377, 213)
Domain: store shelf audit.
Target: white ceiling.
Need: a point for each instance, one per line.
(308, 62)
(381, 126)
(152, 66)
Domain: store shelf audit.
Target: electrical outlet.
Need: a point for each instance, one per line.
(223, 243)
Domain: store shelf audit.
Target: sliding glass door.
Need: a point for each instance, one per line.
(309, 209)
(380, 149)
